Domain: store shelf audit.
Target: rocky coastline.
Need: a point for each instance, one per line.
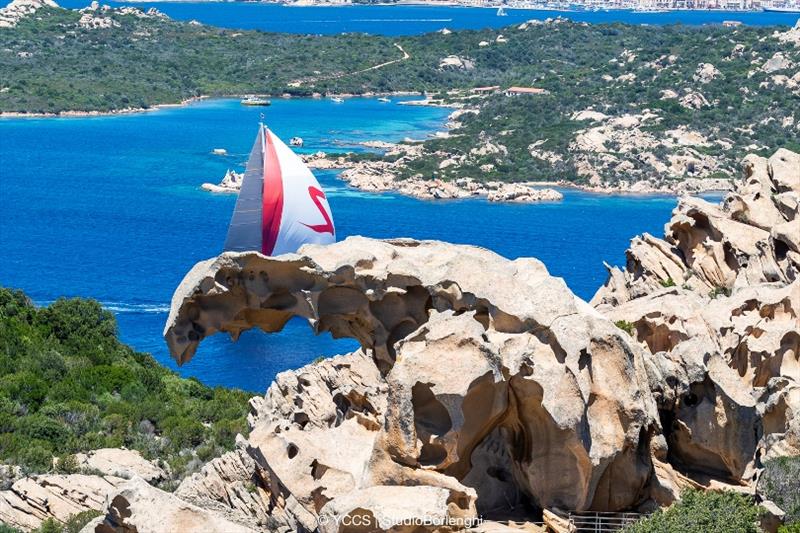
(472, 395)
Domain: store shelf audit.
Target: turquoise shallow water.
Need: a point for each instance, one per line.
(110, 207)
(414, 19)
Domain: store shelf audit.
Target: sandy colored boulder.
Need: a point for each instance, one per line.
(32, 500)
(716, 305)
(137, 506)
(120, 462)
(498, 390)
(229, 485)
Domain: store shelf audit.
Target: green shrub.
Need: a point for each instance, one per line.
(667, 282)
(67, 465)
(719, 291)
(625, 326)
(780, 482)
(68, 385)
(703, 512)
(790, 528)
(76, 522)
(50, 526)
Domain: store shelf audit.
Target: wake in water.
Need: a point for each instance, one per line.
(122, 307)
(337, 21)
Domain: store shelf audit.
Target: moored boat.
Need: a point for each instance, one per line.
(255, 101)
(337, 99)
(384, 99)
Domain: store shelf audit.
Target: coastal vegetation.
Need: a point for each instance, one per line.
(618, 103)
(703, 512)
(779, 483)
(68, 385)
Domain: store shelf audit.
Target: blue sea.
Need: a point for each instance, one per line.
(414, 19)
(111, 208)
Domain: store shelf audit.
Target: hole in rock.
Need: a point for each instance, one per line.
(431, 420)
(690, 400)
(430, 416)
(432, 454)
(256, 358)
(292, 450)
(781, 250)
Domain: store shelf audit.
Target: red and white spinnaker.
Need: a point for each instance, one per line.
(281, 205)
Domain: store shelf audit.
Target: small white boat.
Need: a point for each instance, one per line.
(384, 99)
(501, 12)
(219, 151)
(255, 101)
(296, 141)
(337, 99)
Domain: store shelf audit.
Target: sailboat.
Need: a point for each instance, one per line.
(281, 205)
(501, 12)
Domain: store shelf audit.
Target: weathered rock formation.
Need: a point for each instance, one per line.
(486, 393)
(15, 11)
(229, 486)
(29, 501)
(32, 500)
(139, 507)
(484, 387)
(752, 238)
(717, 306)
(231, 183)
(120, 462)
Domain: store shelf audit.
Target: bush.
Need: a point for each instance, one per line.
(790, 528)
(780, 482)
(67, 465)
(625, 326)
(703, 512)
(68, 385)
(76, 522)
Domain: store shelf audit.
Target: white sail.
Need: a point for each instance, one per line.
(281, 205)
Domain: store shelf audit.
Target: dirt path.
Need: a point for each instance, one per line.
(406, 56)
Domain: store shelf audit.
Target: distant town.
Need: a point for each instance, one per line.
(646, 6)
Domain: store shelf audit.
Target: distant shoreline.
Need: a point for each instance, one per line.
(433, 3)
(110, 113)
(158, 107)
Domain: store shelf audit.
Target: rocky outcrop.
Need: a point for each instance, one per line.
(694, 100)
(791, 36)
(705, 73)
(231, 183)
(138, 507)
(32, 500)
(29, 501)
(504, 395)
(19, 9)
(230, 486)
(482, 394)
(716, 304)
(753, 237)
(520, 193)
(120, 462)
(456, 62)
